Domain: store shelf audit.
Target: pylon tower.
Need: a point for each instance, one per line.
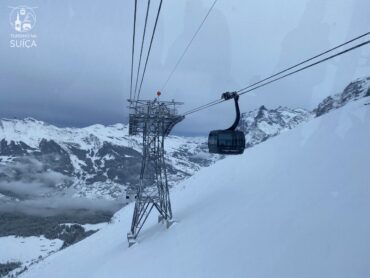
(153, 119)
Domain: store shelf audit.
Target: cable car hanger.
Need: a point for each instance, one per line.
(235, 96)
(228, 141)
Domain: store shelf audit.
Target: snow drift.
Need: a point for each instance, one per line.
(295, 206)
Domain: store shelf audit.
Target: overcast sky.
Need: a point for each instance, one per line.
(79, 73)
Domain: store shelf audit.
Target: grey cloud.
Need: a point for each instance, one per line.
(28, 178)
(60, 205)
(36, 189)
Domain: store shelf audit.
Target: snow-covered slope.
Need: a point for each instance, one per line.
(27, 250)
(295, 206)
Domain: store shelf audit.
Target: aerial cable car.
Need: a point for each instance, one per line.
(228, 141)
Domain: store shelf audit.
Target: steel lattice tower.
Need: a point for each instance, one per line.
(153, 119)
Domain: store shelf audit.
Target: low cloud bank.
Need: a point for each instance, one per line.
(34, 190)
(63, 205)
(29, 178)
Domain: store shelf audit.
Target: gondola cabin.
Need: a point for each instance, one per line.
(226, 142)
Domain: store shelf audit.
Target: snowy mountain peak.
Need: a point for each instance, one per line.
(263, 123)
(355, 90)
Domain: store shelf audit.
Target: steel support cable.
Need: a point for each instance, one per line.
(215, 101)
(150, 47)
(142, 46)
(133, 49)
(278, 78)
(203, 107)
(305, 61)
(308, 66)
(188, 46)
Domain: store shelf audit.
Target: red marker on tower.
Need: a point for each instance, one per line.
(158, 94)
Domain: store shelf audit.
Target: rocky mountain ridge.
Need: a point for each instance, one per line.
(100, 162)
(263, 123)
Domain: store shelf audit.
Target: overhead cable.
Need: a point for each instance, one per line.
(133, 48)
(150, 47)
(188, 45)
(262, 83)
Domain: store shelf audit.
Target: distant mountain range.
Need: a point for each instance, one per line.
(263, 123)
(354, 91)
(94, 162)
(99, 162)
(43, 167)
(297, 206)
